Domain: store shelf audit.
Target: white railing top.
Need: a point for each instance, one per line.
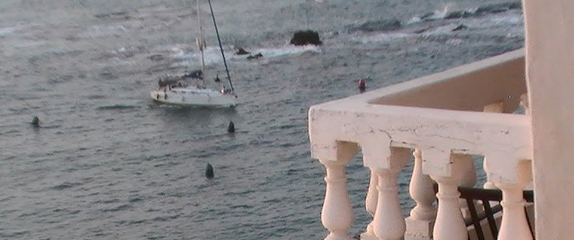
(438, 114)
(460, 83)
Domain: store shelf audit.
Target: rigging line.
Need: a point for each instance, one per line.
(201, 41)
(220, 46)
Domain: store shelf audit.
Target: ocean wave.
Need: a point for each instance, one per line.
(281, 51)
(66, 185)
(212, 55)
(117, 107)
(441, 30)
(110, 30)
(9, 31)
(118, 208)
(448, 13)
(377, 26)
(383, 37)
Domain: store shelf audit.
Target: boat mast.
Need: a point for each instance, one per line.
(201, 42)
(220, 46)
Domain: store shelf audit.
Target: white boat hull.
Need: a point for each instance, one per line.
(194, 97)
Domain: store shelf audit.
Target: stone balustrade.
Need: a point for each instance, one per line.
(442, 119)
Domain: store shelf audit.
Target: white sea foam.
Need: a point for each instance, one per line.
(513, 19)
(414, 20)
(283, 51)
(9, 31)
(383, 37)
(212, 55)
(111, 30)
(441, 14)
(446, 29)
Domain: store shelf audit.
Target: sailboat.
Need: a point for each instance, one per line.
(190, 89)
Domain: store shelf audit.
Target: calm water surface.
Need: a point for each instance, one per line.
(109, 163)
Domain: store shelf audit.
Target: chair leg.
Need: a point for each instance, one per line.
(529, 224)
(490, 217)
(475, 219)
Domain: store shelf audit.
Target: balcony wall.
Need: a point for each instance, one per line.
(445, 118)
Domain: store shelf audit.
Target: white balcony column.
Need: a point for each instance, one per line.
(371, 201)
(514, 224)
(449, 223)
(337, 212)
(421, 220)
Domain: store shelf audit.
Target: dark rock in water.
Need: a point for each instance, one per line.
(231, 127)
(459, 27)
(35, 121)
(305, 37)
(241, 51)
(209, 171)
(259, 55)
(378, 25)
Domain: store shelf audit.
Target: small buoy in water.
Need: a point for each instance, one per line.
(209, 171)
(362, 85)
(35, 121)
(231, 127)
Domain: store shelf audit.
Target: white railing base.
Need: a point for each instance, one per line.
(368, 236)
(418, 229)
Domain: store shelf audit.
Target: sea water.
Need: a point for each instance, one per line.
(109, 163)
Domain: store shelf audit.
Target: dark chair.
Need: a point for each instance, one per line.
(486, 196)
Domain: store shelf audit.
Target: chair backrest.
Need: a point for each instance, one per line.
(486, 196)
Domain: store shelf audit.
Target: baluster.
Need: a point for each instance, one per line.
(337, 212)
(514, 224)
(449, 223)
(389, 222)
(421, 220)
(371, 204)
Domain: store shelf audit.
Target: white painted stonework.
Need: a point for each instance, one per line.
(446, 117)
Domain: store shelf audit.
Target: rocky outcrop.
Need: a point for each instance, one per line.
(305, 37)
(241, 51)
(254, 56)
